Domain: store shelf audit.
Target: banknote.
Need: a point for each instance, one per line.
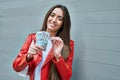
(42, 38)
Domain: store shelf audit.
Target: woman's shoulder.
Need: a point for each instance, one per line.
(71, 42)
(31, 35)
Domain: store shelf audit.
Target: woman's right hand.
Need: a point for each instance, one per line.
(33, 49)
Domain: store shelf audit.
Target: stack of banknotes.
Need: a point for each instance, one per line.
(42, 39)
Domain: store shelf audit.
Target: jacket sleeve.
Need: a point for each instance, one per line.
(64, 68)
(20, 62)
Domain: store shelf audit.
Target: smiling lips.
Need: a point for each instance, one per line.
(52, 24)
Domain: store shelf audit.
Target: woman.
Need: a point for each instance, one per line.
(56, 62)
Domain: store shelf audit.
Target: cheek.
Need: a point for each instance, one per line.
(60, 24)
(48, 20)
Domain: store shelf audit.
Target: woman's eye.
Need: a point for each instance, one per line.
(52, 15)
(60, 18)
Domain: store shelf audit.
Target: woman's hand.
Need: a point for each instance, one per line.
(57, 46)
(33, 49)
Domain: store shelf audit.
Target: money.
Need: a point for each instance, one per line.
(42, 39)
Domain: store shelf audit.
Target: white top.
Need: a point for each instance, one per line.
(37, 75)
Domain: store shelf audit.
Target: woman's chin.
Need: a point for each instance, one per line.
(51, 28)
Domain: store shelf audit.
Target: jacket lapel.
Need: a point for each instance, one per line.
(49, 57)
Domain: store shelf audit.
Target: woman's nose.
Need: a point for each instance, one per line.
(54, 19)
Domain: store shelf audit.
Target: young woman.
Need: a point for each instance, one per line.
(56, 62)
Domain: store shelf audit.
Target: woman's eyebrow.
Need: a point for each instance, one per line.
(55, 14)
(60, 16)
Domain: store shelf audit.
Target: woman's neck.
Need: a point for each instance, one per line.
(52, 33)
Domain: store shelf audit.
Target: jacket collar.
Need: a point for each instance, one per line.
(49, 57)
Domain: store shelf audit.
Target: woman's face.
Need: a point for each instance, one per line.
(55, 20)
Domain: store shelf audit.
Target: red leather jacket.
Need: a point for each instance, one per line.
(64, 68)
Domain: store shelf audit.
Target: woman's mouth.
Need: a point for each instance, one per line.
(52, 25)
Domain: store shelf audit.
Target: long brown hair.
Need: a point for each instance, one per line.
(64, 33)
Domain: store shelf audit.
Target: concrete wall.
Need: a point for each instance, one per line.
(95, 30)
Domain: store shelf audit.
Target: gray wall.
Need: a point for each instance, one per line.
(95, 30)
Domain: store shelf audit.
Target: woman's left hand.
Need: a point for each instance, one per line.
(57, 46)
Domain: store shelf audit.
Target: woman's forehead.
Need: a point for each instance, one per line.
(58, 11)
